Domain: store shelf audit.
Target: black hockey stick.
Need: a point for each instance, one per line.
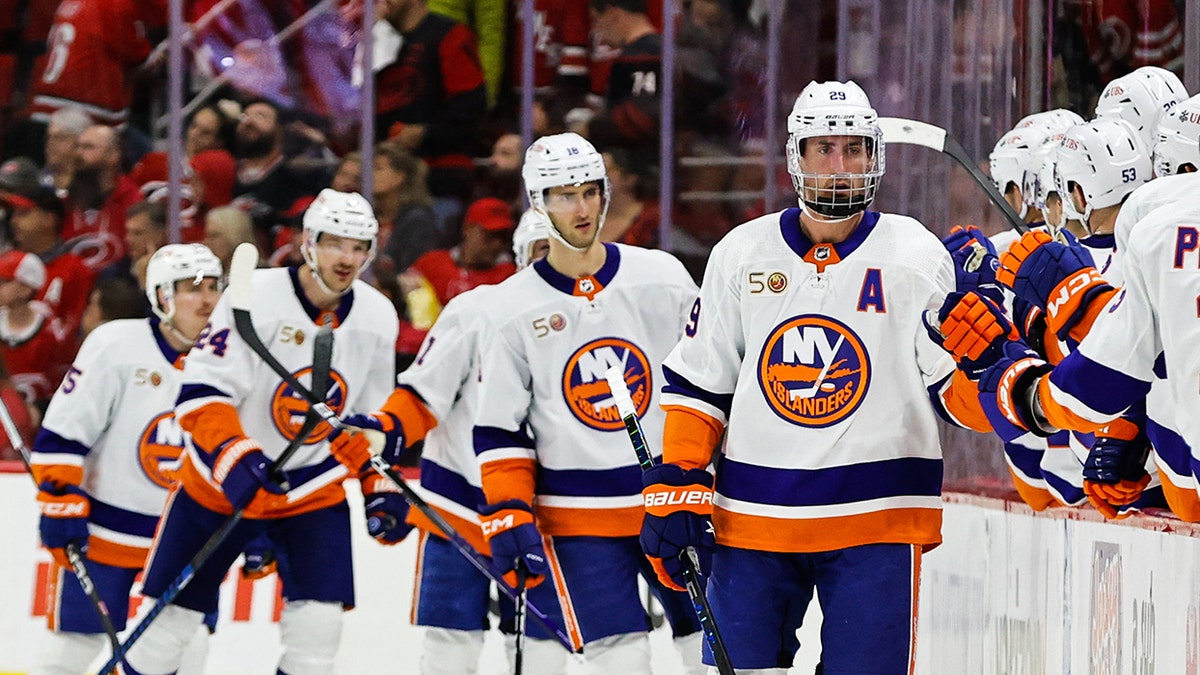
(322, 361)
(74, 555)
(519, 616)
(912, 132)
(245, 257)
(689, 559)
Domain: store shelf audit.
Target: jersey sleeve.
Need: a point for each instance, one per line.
(443, 363)
(80, 411)
(506, 452)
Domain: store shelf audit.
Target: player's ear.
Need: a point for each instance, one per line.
(1077, 197)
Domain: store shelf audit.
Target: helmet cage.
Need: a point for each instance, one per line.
(833, 201)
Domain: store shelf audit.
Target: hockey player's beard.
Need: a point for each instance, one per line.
(85, 192)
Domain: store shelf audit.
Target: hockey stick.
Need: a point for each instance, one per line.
(245, 257)
(519, 616)
(74, 555)
(322, 360)
(912, 132)
(691, 562)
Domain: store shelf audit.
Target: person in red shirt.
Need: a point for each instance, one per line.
(97, 199)
(481, 258)
(35, 219)
(29, 342)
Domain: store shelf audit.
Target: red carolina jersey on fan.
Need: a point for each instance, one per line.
(34, 355)
(441, 269)
(68, 284)
(92, 46)
(560, 41)
(1128, 34)
(98, 235)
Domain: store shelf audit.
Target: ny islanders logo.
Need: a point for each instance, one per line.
(814, 371)
(160, 449)
(288, 408)
(586, 391)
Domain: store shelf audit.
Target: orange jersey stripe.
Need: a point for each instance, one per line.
(564, 594)
(265, 505)
(212, 424)
(415, 419)
(961, 399)
(469, 530)
(511, 478)
(59, 474)
(1038, 499)
(54, 594)
(117, 555)
(809, 535)
(1184, 501)
(1059, 415)
(916, 606)
(570, 522)
(689, 437)
(416, 600)
(1090, 314)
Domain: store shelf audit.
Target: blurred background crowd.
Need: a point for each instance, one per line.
(687, 104)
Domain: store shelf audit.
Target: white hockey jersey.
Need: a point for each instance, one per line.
(816, 359)
(445, 377)
(1153, 316)
(543, 364)
(113, 418)
(222, 369)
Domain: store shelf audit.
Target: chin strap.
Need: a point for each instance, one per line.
(827, 219)
(170, 325)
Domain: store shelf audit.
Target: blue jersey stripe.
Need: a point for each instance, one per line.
(1099, 387)
(122, 520)
(494, 438)
(678, 384)
(51, 443)
(1170, 446)
(619, 482)
(1028, 461)
(191, 392)
(902, 476)
(440, 480)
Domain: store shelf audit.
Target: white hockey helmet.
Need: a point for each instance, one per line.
(834, 109)
(532, 227)
(558, 160)
(177, 262)
(1106, 159)
(1177, 138)
(1037, 129)
(342, 214)
(1140, 98)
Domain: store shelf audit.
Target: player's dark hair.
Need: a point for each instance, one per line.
(631, 6)
(155, 211)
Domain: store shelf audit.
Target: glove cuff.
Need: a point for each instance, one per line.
(671, 474)
(233, 452)
(69, 503)
(1013, 395)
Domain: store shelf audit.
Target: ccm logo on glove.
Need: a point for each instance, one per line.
(1070, 287)
(71, 509)
(494, 525)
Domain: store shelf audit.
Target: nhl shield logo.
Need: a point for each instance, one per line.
(160, 448)
(586, 391)
(813, 371)
(288, 408)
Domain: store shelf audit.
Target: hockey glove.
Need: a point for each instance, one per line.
(1057, 278)
(975, 262)
(678, 515)
(1004, 391)
(64, 519)
(242, 470)
(383, 436)
(386, 510)
(260, 560)
(973, 329)
(509, 529)
(1115, 471)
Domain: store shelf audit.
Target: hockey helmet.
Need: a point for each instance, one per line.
(1106, 159)
(342, 214)
(1140, 98)
(559, 160)
(1177, 138)
(531, 228)
(177, 262)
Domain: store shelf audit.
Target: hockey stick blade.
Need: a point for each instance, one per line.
(74, 555)
(245, 259)
(688, 557)
(913, 132)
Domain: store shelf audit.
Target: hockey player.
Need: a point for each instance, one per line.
(451, 597)
(806, 349)
(1141, 98)
(241, 415)
(561, 481)
(109, 451)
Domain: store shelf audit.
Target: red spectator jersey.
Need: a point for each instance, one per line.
(98, 235)
(93, 44)
(14, 401)
(1126, 34)
(561, 41)
(441, 269)
(34, 355)
(69, 283)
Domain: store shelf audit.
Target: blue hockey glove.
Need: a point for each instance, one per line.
(975, 262)
(242, 470)
(64, 519)
(509, 529)
(973, 329)
(1004, 390)
(1059, 279)
(386, 424)
(386, 510)
(1115, 471)
(678, 515)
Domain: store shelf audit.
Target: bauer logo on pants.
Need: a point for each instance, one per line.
(288, 408)
(586, 391)
(813, 371)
